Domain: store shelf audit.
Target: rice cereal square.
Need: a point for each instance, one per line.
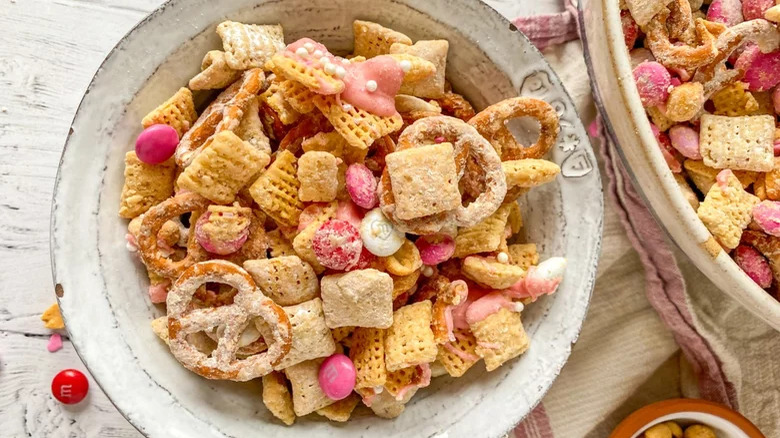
(277, 397)
(287, 280)
(146, 185)
(744, 143)
(361, 298)
(307, 394)
(727, 209)
(372, 39)
(410, 341)
(500, 337)
(424, 180)
(317, 172)
(311, 338)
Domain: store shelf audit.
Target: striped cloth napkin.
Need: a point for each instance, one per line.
(682, 337)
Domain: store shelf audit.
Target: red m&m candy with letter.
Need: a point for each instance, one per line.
(70, 386)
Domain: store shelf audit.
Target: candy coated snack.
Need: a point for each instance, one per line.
(332, 225)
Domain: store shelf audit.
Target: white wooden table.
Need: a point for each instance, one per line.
(49, 50)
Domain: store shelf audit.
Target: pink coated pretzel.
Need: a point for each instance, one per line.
(249, 304)
(490, 124)
(154, 219)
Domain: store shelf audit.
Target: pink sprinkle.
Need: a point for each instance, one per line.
(439, 140)
(55, 343)
(754, 264)
(767, 216)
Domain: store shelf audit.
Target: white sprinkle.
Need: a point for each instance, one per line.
(371, 86)
(324, 60)
(406, 65)
(346, 107)
(427, 271)
(330, 69)
(317, 53)
(502, 257)
(345, 61)
(518, 307)
(303, 53)
(130, 247)
(341, 72)
(308, 47)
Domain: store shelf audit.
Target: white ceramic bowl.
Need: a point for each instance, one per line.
(618, 102)
(102, 287)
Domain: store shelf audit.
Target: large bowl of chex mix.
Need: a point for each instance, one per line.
(327, 218)
(695, 115)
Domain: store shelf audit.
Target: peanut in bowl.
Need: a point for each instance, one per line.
(111, 329)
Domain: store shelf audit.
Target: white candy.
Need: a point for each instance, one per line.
(308, 47)
(427, 271)
(379, 235)
(346, 107)
(371, 86)
(341, 72)
(406, 65)
(248, 336)
(317, 53)
(330, 68)
(303, 53)
(502, 257)
(552, 268)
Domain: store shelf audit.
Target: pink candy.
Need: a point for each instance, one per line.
(361, 186)
(754, 264)
(158, 293)
(310, 213)
(686, 140)
(337, 245)
(653, 82)
(156, 144)
(55, 343)
(215, 246)
(667, 150)
(767, 216)
(348, 211)
(337, 377)
(728, 12)
(752, 9)
(630, 29)
(435, 249)
(762, 70)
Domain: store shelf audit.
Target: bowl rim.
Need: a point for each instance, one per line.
(641, 418)
(747, 293)
(588, 287)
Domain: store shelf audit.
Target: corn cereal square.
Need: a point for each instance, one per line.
(772, 182)
(249, 45)
(317, 173)
(500, 337)
(434, 51)
(358, 127)
(307, 394)
(734, 100)
(276, 190)
(276, 100)
(703, 176)
(424, 180)
(297, 95)
(409, 340)
(491, 273)
(485, 236)
(744, 143)
(278, 245)
(515, 219)
(287, 280)
(178, 112)
(727, 209)
(311, 338)
(529, 173)
(341, 410)
(361, 298)
(223, 168)
(457, 357)
(372, 39)
(523, 255)
(368, 355)
(334, 143)
(277, 397)
(146, 185)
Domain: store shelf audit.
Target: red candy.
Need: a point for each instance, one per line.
(762, 70)
(754, 264)
(365, 260)
(435, 249)
(156, 144)
(337, 244)
(728, 12)
(653, 82)
(361, 186)
(752, 9)
(630, 29)
(70, 386)
(348, 211)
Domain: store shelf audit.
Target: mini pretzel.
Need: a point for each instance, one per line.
(467, 143)
(223, 114)
(153, 221)
(682, 56)
(682, 27)
(249, 303)
(490, 123)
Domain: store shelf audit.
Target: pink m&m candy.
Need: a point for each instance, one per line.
(754, 264)
(156, 144)
(361, 186)
(762, 70)
(686, 140)
(728, 12)
(435, 248)
(767, 216)
(337, 244)
(337, 377)
(653, 82)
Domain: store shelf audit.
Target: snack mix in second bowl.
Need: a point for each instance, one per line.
(708, 75)
(343, 228)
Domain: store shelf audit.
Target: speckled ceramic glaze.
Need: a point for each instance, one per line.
(103, 287)
(628, 127)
